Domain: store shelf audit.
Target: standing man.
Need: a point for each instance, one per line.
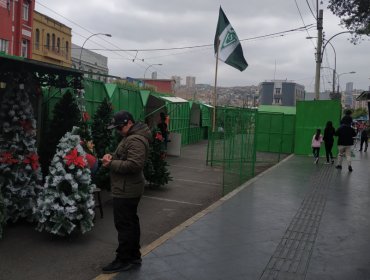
(364, 138)
(126, 166)
(345, 135)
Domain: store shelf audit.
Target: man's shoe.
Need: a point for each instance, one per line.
(338, 167)
(116, 266)
(350, 168)
(137, 261)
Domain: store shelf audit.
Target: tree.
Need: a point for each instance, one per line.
(66, 202)
(66, 114)
(359, 112)
(156, 168)
(354, 14)
(20, 173)
(101, 135)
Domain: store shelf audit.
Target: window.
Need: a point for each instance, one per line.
(4, 45)
(26, 8)
(47, 45)
(24, 47)
(37, 39)
(67, 50)
(58, 45)
(277, 90)
(53, 42)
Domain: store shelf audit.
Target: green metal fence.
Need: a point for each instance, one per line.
(232, 145)
(312, 115)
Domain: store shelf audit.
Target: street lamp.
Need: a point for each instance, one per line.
(352, 72)
(105, 34)
(158, 64)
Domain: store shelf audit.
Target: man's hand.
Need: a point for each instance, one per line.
(107, 158)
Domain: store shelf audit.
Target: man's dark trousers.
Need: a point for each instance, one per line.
(128, 228)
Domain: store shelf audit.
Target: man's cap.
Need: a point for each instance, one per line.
(120, 119)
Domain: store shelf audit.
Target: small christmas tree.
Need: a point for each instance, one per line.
(20, 174)
(103, 140)
(66, 114)
(156, 168)
(102, 135)
(67, 202)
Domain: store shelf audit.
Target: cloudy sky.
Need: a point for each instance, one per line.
(145, 25)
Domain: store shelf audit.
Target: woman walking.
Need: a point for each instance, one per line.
(329, 142)
(316, 144)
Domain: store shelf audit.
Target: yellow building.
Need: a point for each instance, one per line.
(51, 41)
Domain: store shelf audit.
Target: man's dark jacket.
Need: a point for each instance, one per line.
(127, 165)
(345, 135)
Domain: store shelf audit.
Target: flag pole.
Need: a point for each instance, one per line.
(215, 89)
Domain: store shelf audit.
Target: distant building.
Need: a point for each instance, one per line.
(16, 19)
(91, 62)
(51, 40)
(177, 80)
(280, 92)
(154, 75)
(190, 82)
(348, 98)
(161, 85)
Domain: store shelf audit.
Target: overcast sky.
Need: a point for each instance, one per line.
(148, 24)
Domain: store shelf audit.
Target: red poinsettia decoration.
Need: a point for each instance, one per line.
(159, 136)
(7, 158)
(73, 158)
(85, 116)
(26, 124)
(33, 160)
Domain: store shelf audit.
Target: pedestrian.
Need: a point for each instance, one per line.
(347, 118)
(316, 144)
(329, 142)
(345, 135)
(163, 127)
(126, 166)
(364, 139)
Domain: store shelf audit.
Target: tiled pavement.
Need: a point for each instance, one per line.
(295, 221)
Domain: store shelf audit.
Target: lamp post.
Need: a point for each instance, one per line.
(105, 34)
(158, 64)
(352, 72)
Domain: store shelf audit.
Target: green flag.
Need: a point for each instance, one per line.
(229, 49)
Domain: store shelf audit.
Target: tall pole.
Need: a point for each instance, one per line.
(215, 89)
(318, 54)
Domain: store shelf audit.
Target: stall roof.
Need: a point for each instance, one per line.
(173, 99)
(288, 110)
(365, 95)
(10, 63)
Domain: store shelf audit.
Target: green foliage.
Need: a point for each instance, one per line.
(101, 135)
(354, 14)
(156, 168)
(66, 114)
(359, 112)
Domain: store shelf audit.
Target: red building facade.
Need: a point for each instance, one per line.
(16, 19)
(165, 86)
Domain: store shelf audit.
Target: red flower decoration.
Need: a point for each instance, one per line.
(33, 160)
(159, 137)
(26, 124)
(74, 158)
(7, 158)
(85, 116)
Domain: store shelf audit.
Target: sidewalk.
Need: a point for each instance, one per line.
(295, 221)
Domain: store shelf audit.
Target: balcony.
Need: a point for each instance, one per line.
(54, 54)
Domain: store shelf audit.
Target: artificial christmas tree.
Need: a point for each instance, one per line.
(156, 168)
(66, 202)
(20, 174)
